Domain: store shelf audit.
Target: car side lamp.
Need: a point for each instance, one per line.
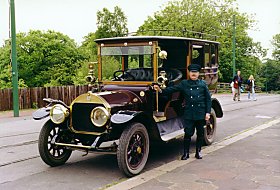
(91, 78)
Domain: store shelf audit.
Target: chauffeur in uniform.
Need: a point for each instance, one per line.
(197, 109)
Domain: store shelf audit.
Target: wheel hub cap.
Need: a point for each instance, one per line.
(139, 150)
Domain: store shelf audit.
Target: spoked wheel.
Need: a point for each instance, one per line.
(51, 154)
(133, 149)
(210, 130)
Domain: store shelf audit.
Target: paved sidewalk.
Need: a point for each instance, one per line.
(246, 163)
(22, 113)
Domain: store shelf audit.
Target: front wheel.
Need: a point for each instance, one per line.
(210, 130)
(133, 149)
(50, 153)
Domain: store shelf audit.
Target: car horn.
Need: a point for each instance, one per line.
(162, 79)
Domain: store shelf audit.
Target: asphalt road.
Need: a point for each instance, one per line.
(22, 168)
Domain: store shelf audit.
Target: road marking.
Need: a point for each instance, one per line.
(156, 172)
(263, 117)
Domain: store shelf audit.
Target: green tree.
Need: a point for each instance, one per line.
(45, 58)
(111, 24)
(6, 69)
(210, 17)
(270, 75)
(276, 47)
(270, 72)
(89, 49)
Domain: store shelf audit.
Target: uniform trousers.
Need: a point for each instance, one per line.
(191, 125)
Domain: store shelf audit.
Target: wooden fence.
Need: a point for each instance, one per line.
(225, 87)
(33, 97)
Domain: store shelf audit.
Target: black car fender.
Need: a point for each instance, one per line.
(41, 113)
(122, 118)
(217, 107)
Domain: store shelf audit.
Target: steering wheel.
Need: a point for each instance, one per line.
(173, 75)
(177, 74)
(122, 77)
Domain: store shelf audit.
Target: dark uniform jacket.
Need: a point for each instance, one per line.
(197, 96)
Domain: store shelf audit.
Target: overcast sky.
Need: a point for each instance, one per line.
(76, 18)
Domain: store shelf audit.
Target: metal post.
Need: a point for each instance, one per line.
(266, 78)
(14, 59)
(233, 47)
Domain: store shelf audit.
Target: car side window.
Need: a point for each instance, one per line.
(198, 55)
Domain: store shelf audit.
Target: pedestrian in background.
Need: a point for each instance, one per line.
(237, 82)
(197, 110)
(251, 87)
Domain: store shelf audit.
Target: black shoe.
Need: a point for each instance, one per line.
(198, 155)
(187, 141)
(185, 156)
(199, 142)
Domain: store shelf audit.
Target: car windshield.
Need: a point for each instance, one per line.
(127, 58)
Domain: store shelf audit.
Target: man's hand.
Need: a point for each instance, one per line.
(156, 87)
(207, 116)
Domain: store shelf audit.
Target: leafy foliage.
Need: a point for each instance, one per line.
(89, 50)
(111, 24)
(270, 75)
(89, 47)
(270, 72)
(5, 68)
(44, 58)
(52, 58)
(276, 45)
(206, 16)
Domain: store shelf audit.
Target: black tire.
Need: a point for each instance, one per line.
(210, 130)
(133, 149)
(51, 154)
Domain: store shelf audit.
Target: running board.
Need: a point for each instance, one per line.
(174, 135)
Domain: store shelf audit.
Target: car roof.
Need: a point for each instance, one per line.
(141, 38)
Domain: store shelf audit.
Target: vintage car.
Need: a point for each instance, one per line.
(122, 113)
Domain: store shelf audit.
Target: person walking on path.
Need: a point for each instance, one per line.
(251, 87)
(237, 81)
(197, 110)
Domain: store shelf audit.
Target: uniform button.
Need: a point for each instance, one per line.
(197, 88)
(198, 96)
(192, 105)
(191, 96)
(191, 88)
(198, 104)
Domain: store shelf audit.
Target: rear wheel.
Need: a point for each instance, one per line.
(210, 130)
(133, 149)
(50, 153)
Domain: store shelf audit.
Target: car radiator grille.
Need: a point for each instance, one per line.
(81, 118)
